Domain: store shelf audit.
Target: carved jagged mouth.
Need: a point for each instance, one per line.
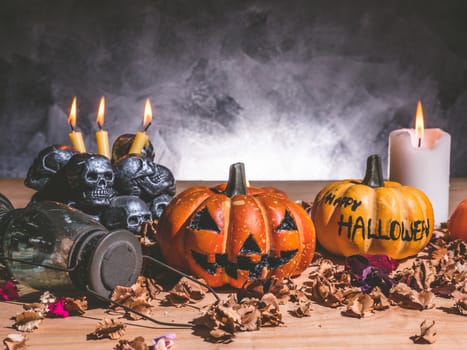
(243, 263)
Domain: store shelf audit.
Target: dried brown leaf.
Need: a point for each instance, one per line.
(250, 317)
(149, 233)
(270, 311)
(327, 268)
(438, 253)
(324, 292)
(186, 291)
(280, 288)
(428, 333)
(409, 298)
(381, 302)
(153, 289)
(221, 336)
(47, 298)
(136, 344)
(302, 308)
(461, 306)
(37, 307)
(140, 305)
(15, 341)
(122, 295)
(28, 321)
(424, 274)
(76, 306)
(359, 306)
(108, 328)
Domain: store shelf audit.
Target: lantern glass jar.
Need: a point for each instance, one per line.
(49, 245)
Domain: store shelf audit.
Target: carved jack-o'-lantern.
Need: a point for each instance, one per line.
(230, 234)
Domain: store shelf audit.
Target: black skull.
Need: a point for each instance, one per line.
(91, 179)
(141, 177)
(127, 212)
(122, 146)
(46, 164)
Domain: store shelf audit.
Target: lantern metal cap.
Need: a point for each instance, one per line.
(116, 261)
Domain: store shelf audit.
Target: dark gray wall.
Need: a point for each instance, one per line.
(295, 89)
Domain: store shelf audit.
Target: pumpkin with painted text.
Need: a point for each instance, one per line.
(231, 234)
(372, 216)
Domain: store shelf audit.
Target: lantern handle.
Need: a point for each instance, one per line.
(191, 278)
(56, 268)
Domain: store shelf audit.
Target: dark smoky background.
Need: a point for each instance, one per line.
(302, 89)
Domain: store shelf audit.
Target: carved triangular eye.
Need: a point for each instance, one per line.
(287, 223)
(203, 221)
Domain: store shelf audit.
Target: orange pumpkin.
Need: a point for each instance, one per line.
(232, 233)
(372, 216)
(457, 223)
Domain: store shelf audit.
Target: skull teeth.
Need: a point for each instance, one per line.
(98, 194)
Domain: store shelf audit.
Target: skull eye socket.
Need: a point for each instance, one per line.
(133, 220)
(287, 223)
(204, 221)
(108, 175)
(92, 176)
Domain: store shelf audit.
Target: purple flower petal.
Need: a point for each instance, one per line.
(166, 339)
(369, 271)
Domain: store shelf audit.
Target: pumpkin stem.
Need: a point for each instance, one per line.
(237, 180)
(374, 172)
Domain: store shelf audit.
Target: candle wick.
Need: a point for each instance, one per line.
(419, 142)
(147, 126)
(71, 127)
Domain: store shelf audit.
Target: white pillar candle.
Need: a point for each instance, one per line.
(422, 163)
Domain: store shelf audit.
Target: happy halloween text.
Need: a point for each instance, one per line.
(352, 226)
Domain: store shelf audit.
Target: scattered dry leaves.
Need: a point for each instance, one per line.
(224, 319)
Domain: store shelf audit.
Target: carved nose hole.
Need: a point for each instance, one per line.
(250, 246)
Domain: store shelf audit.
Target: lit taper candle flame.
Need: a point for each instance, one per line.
(76, 138)
(102, 136)
(141, 137)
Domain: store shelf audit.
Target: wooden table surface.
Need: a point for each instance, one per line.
(325, 329)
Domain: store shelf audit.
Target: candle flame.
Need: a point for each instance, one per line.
(419, 123)
(72, 115)
(147, 115)
(100, 113)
